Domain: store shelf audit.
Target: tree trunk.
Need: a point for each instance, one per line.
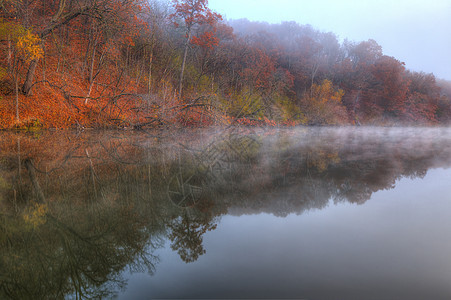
(34, 181)
(149, 83)
(44, 67)
(10, 52)
(91, 74)
(58, 20)
(183, 63)
(91, 68)
(16, 82)
(15, 74)
(26, 88)
(356, 101)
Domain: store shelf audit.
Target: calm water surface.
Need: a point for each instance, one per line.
(320, 213)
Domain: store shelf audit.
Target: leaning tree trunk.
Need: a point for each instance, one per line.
(26, 88)
(184, 62)
(34, 181)
(58, 20)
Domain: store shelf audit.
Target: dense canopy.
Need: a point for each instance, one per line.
(135, 63)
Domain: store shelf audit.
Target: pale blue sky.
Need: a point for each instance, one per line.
(417, 32)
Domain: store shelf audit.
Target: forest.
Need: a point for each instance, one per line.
(148, 63)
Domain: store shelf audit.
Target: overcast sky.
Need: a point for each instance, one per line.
(417, 32)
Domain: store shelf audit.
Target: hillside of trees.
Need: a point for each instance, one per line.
(137, 63)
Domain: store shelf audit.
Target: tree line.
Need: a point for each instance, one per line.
(110, 63)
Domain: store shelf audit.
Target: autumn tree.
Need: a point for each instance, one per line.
(210, 59)
(323, 105)
(193, 13)
(62, 14)
(60, 17)
(353, 73)
(123, 62)
(155, 16)
(423, 98)
(444, 103)
(23, 47)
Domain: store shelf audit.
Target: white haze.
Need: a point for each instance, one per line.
(413, 31)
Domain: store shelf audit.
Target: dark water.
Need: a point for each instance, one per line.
(321, 213)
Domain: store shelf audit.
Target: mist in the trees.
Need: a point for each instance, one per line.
(137, 64)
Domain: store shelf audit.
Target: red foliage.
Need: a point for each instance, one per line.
(104, 66)
(194, 12)
(390, 86)
(259, 68)
(206, 40)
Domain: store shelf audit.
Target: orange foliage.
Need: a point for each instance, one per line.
(264, 122)
(115, 63)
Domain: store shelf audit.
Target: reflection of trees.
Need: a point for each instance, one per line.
(71, 229)
(76, 210)
(78, 250)
(187, 235)
(298, 171)
(196, 171)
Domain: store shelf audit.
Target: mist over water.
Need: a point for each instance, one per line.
(305, 213)
(348, 214)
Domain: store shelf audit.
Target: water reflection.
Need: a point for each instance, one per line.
(76, 210)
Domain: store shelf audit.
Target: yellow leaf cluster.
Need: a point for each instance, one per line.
(29, 46)
(322, 159)
(35, 215)
(3, 73)
(323, 104)
(325, 92)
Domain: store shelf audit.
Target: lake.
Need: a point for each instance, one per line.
(237, 213)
